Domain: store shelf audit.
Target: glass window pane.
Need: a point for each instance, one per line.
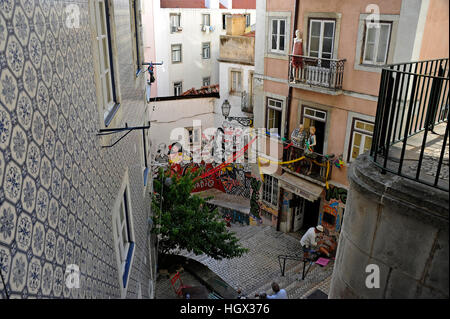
(359, 124)
(274, 42)
(371, 34)
(282, 27)
(369, 127)
(102, 17)
(329, 29)
(105, 54)
(355, 152)
(367, 143)
(383, 43)
(315, 28)
(370, 47)
(274, 26)
(282, 39)
(314, 46)
(327, 45)
(357, 139)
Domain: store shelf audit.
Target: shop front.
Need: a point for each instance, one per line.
(301, 203)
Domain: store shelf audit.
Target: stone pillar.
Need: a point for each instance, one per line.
(399, 225)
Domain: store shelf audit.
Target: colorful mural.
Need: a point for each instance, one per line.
(332, 213)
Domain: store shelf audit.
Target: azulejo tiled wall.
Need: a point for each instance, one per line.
(57, 185)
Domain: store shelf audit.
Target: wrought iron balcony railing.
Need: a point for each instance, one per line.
(316, 72)
(313, 166)
(411, 126)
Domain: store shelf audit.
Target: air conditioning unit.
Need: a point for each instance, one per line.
(204, 28)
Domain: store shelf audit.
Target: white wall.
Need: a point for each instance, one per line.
(168, 115)
(193, 68)
(235, 100)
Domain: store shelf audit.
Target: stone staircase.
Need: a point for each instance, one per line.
(255, 271)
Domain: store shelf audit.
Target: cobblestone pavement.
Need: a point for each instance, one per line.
(431, 155)
(255, 271)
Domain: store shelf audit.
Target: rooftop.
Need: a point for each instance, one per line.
(201, 4)
(214, 88)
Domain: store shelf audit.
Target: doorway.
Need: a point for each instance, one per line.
(311, 214)
(316, 118)
(298, 212)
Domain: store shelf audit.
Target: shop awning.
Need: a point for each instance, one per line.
(300, 187)
(225, 200)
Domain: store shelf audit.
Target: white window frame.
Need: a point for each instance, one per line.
(368, 26)
(270, 190)
(172, 52)
(204, 16)
(175, 17)
(119, 228)
(105, 67)
(364, 134)
(315, 117)
(278, 35)
(178, 88)
(274, 106)
(206, 81)
(206, 47)
(236, 83)
(322, 29)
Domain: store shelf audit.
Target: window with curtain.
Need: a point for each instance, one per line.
(278, 35)
(376, 43)
(176, 53)
(274, 113)
(361, 138)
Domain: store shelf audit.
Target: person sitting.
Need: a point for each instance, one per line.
(309, 239)
(278, 293)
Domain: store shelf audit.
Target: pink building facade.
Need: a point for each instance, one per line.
(333, 85)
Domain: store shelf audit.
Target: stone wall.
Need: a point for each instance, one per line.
(399, 225)
(58, 185)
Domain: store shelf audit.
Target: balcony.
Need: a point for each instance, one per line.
(411, 126)
(316, 74)
(312, 168)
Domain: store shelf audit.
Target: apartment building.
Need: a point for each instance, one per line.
(73, 204)
(187, 40)
(318, 64)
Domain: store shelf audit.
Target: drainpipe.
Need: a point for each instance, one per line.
(289, 99)
(288, 106)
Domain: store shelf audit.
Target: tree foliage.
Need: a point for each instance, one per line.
(187, 222)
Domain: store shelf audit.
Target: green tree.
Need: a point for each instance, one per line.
(185, 221)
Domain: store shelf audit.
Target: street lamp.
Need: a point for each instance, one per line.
(226, 108)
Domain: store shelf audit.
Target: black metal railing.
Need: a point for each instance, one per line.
(321, 72)
(314, 165)
(411, 127)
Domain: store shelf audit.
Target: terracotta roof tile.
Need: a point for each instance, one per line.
(244, 4)
(183, 4)
(214, 88)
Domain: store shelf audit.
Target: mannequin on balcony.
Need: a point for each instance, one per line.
(297, 49)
